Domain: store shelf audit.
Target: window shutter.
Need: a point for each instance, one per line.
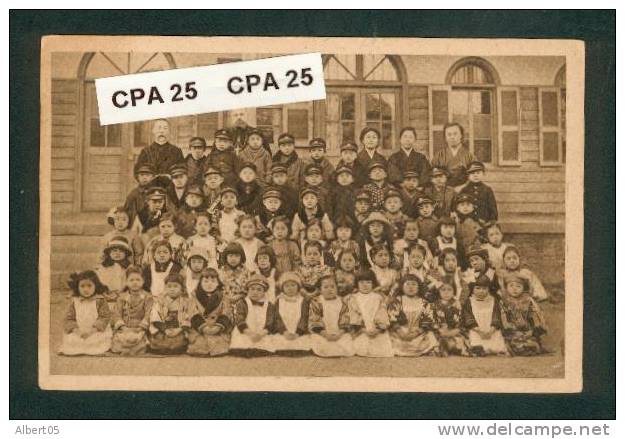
(440, 114)
(550, 139)
(508, 117)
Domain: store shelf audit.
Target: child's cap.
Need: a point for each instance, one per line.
(178, 169)
(477, 250)
(286, 138)
(118, 242)
(475, 166)
(278, 168)
(309, 190)
(228, 189)
(223, 134)
(144, 169)
(312, 169)
(289, 276)
(376, 217)
(363, 195)
(464, 198)
(195, 190)
(344, 169)
(175, 278)
(255, 132)
(392, 193)
(317, 142)
(515, 277)
(424, 200)
(439, 170)
(197, 142)
(211, 170)
(197, 252)
(272, 193)
(410, 174)
(376, 164)
(257, 279)
(155, 193)
(349, 146)
(248, 165)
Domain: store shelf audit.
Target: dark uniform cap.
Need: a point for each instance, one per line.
(276, 168)
(317, 142)
(477, 250)
(342, 169)
(178, 168)
(424, 200)
(250, 165)
(272, 193)
(439, 170)
(411, 174)
(155, 192)
(349, 146)
(145, 169)
(309, 190)
(286, 138)
(253, 131)
(195, 190)
(228, 189)
(392, 193)
(475, 166)
(313, 169)
(212, 170)
(223, 134)
(202, 140)
(363, 195)
(376, 164)
(461, 198)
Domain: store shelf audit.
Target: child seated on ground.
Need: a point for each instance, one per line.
(211, 322)
(448, 320)
(328, 322)
(412, 321)
(254, 319)
(116, 258)
(170, 318)
(266, 266)
(131, 316)
(86, 327)
(512, 265)
(482, 320)
(290, 332)
(162, 265)
(524, 320)
(288, 256)
(368, 318)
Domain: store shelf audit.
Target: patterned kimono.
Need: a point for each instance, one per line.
(250, 247)
(205, 243)
(310, 275)
(168, 313)
(400, 251)
(87, 314)
(495, 254)
(291, 317)
(225, 223)
(255, 316)
(448, 318)
(345, 281)
(178, 245)
(288, 256)
(414, 315)
(367, 312)
(398, 223)
(234, 280)
(484, 315)
(331, 316)
(388, 279)
(524, 324)
(211, 311)
(456, 279)
(130, 323)
(536, 288)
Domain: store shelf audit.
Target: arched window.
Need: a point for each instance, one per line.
(363, 90)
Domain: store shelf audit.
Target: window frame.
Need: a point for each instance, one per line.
(501, 128)
(550, 129)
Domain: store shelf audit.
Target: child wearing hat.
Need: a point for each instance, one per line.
(170, 318)
(314, 179)
(407, 157)
(328, 322)
(362, 206)
(438, 190)
(410, 192)
(483, 196)
(86, 328)
(478, 266)
(177, 190)
(483, 321)
(213, 184)
(233, 272)
(378, 184)
(270, 208)
(253, 152)
(197, 261)
(524, 320)
(116, 257)
(254, 320)
(287, 157)
(368, 318)
(119, 219)
(393, 205)
(512, 265)
(196, 160)
(428, 222)
(317, 150)
(349, 152)
(223, 157)
(187, 213)
(290, 332)
(288, 255)
(225, 218)
(376, 229)
(289, 192)
(136, 198)
(211, 321)
(146, 221)
(343, 194)
(249, 189)
(310, 208)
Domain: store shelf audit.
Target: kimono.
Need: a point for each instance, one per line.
(225, 223)
(495, 254)
(310, 275)
(154, 276)
(191, 279)
(178, 245)
(255, 316)
(294, 168)
(377, 193)
(524, 325)
(536, 288)
(114, 277)
(210, 311)
(331, 316)
(398, 223)
(345, 281)
(367, 312)
(456, 279)
(301, 219)
(358, 171)
(291, 317)
(443, 199)
(207, 244)
(484, 200)
(365, 247)
(448, 319)
(168, 313)
(388, 279)
(456, 164)
(484, 315)
(261, 158)
(336, 247)
(130, 323)
(226, 161)
(234, 280)
(428, 279)
(470, 275)
(400, 162)
(400, 252)
(288, 256)
(364, 159)
(250, 248)
(250, 197)
(343, 201)
(195, 169)
(87, 314)
(185, 221)
(415, 315)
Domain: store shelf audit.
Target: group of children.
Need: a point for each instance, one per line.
(249, 254)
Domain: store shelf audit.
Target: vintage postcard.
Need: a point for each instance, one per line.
(311, 214)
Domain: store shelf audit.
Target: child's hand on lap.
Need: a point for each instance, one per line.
(290, 335)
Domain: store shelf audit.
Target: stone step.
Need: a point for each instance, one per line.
(73, 229)
(68, 262)
(76, 244)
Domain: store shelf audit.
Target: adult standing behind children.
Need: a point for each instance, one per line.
(161, 154)
(408, 159)
(240, 131)
(455, 156)
(370, 140)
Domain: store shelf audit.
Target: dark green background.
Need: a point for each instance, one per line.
(596, 28)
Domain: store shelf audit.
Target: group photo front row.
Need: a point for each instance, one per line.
(233, 250)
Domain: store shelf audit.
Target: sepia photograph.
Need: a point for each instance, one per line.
(419, 229)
